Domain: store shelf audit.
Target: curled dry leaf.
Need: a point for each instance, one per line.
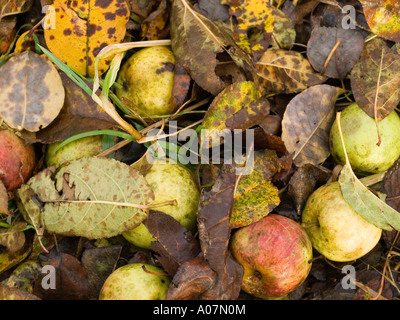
(303, 183)
(321, 43)
(383, 17)
(11, 7)
(259, 25)
(7, 33)
(32, 94)
(283, 71)
(375, 79)
(175, 244)
(195, 39)
(306, 124)
(81, 28)
(70, 277)
(91, 197)
(391, 186)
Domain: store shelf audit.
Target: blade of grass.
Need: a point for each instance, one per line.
(120, 134)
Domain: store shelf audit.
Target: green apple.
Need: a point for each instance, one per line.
(147, 79)
(336, 231)
(169, 181)
(360, 136)
(81, 148)
(275, 253)
(132, 282)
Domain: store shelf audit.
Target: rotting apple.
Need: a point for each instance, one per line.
(17, 160)
(336, 231)
(136, 281)
(169, 181)
(275, 253)
(147, 80)
(360, 136)
(81, 148)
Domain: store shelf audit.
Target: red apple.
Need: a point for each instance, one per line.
(17, 160)
(275, 253)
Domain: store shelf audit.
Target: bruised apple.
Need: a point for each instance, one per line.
(360, 136)
(147, 79)
(136, 281)
(336, 231)
(275, 253)
(17, 160)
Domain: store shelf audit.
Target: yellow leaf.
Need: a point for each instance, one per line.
(81, 28)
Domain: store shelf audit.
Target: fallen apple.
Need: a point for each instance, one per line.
(275, 253)
(360, 136)
(81, 148)
(336, 231)
(169, 181)
(136, 281)
(147, 79)
(17, 160)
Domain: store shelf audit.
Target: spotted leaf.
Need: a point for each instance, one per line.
(306, 124)
(259, 25)
(32, 94)
(256, 195)
(91, 197)
(81, 28)
(375, 79)
(284, 71)
(11, 7)
(238, 106)
(383, 17)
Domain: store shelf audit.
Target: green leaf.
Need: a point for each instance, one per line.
(362, 200)
(91, 197)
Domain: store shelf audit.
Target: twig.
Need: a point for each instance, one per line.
(384, 268)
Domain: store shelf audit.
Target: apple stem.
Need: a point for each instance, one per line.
(152, 272)
(42, 245)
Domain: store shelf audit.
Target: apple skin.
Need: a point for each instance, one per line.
(360, 137)
(169, 181)
(336, 231)
(147, 79)
(131, 282)
(81, 148)
(17, 160)
(275, 253)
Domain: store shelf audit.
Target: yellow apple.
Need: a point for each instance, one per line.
(336, 231)
(169, 181)
(361, 137)
(132, 282)
(147, 79)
